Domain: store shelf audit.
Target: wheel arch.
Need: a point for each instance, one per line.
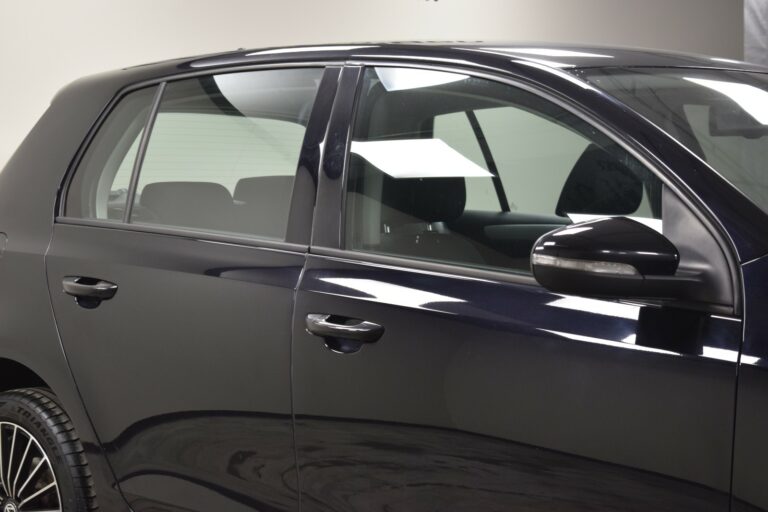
(14, 375)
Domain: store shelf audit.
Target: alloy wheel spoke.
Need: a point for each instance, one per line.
(32, 474)
(21, 465)
(38, 493)
(10, 461)
(28, 466)
(2, 463)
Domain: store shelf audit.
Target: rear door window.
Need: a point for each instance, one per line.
(99, 189)
(221, 155)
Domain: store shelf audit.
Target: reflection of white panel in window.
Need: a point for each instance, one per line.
(418, 158)
(455, 130)
(398, 79)
(752, 99)
(652, 223)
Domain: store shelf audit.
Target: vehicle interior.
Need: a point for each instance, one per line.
(692, 106)
(429, 216)
(221, 156)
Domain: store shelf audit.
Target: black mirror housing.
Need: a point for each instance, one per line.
(610, 257)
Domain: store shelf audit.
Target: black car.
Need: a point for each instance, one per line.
(390, 277)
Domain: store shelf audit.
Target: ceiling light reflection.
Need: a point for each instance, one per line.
(398, 79)
(572, 231)
(600, 307)
(752, 99)
(547, 62)
(300, 49)
(550, 52)
(610, 343)
(727, 355)
(655, 224)
(555, 71)
(388, 293)
(745, 359)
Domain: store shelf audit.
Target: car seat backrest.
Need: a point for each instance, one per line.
(202, 205)
(263, 204)
(414, 215)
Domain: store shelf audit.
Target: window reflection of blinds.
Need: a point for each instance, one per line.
(220, 148)
(123, 175)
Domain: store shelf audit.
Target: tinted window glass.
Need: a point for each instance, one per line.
(719, 115)
(453, 168)
(99, 189)
(224, 151)
(456, 130)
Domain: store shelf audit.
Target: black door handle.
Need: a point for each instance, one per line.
(343, 334)
(88, 291)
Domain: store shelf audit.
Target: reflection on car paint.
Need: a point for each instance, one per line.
(389, 293)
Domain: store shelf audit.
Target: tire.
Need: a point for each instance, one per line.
(37, 432)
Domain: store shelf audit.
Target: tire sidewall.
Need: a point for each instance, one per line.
(15, 409)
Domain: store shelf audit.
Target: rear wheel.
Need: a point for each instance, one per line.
(42, 464)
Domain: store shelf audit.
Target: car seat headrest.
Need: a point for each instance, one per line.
(599, 184)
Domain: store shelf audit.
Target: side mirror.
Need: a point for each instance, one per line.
(610, 257)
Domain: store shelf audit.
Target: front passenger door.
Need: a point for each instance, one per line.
(431, 372)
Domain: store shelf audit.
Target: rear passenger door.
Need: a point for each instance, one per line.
(172, 272)
(432, 372)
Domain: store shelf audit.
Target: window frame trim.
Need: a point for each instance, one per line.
(60, 216)
(644, 156)
(188, 233)
(142, 152)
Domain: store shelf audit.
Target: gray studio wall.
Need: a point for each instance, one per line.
(756, 31)
(44, 44)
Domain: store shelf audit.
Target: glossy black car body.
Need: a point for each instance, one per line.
(198, 386)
